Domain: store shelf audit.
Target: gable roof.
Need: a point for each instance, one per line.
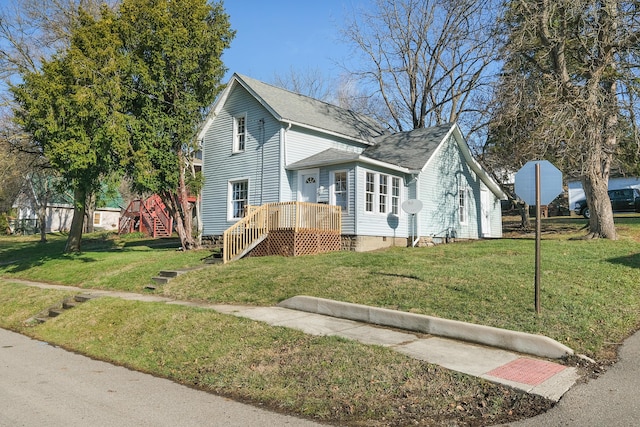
(411, 149)
(295, 109)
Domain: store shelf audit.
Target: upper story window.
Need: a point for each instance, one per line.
(340, 189)
(382, 193)
(239, 133)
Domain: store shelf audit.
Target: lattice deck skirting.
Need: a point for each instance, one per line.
(303, 242)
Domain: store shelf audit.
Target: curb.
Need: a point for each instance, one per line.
(521, 342)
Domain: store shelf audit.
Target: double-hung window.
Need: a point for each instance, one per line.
(395, 195)
(238, 198)
(340, 189)
(462, 204)
(369, 192)
(382, 193)
(239, 133)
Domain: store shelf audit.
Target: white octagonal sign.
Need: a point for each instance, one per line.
(550, 182)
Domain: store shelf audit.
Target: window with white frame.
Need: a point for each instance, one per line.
(395, 195)
(340, 189)
(382, 193)
(238, 198)
(239, 133)
(97, 218)
(462, 204)
(369, 192)
(383, 189)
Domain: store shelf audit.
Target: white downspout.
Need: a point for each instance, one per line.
(417, 218)
(283, 157)
(284, 143)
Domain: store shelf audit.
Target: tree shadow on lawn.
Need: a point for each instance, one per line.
(37, 254)
(628, 261)
(23, 259)
(151, 243)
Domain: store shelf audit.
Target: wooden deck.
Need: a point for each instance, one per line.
(288, 229)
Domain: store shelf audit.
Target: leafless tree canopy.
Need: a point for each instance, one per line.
(310, 82)
(31, 30)
(425, 59)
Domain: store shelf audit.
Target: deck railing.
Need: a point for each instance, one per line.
(296, 216)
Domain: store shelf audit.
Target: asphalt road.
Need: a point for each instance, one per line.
(612, 399)
(45, 385)
(42, 385)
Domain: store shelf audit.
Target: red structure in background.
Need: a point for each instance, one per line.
(148, 216)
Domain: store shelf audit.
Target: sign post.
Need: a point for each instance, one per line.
(538, 182)
(538, 239)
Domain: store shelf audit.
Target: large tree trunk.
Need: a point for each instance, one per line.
(75, 234)
(186, 208)
(601, 111)
(180, 210)
(198, 213)
(42, 219)
(525, 219)
(90, 209)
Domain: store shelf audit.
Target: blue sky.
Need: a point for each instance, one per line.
(273, 37)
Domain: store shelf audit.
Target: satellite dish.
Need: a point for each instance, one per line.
(412, 206)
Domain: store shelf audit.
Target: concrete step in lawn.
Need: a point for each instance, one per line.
(165, 276)
(60, 308)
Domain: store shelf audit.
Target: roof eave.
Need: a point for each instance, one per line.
(325, 131)
(476, 167)
(359, 159)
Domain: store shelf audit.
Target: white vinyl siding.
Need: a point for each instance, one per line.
(259, 163)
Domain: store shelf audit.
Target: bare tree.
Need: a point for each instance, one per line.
(31, 30)
(568, 90)
(425, 59)
(310, 82)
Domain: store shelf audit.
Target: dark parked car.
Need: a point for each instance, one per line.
(622, 200)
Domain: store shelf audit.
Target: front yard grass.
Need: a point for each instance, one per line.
(590, 297)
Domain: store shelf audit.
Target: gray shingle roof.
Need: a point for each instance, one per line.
(410, 149)
(306, 111)
(331, 156)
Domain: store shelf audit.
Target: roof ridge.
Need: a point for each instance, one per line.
(245, 78)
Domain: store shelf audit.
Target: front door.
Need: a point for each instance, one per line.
(308, 186)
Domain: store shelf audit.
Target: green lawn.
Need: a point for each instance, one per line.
(106, 262)
(590, 298)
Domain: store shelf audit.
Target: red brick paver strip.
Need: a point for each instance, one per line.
(527, 371)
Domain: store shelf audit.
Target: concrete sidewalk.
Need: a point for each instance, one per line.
(522, 361)
(524, 372)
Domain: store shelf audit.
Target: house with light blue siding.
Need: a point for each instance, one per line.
(262, 144)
